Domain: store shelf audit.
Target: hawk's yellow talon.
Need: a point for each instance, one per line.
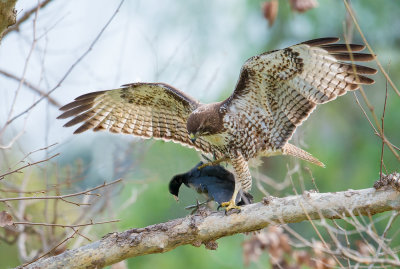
(230, 205)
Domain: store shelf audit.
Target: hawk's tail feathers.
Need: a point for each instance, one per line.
(292, 150)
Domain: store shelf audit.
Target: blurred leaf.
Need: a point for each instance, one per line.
(5, 219)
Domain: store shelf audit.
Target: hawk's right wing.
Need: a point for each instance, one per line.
(143, 109)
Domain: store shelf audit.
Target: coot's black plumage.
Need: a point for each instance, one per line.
(215, 182)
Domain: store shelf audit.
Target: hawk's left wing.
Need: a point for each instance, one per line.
(284, 86)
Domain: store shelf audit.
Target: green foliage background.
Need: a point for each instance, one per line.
(337, 133)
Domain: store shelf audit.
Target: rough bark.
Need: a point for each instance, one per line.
(206, 227)
(7, 15)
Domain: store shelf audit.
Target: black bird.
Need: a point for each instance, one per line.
(214, 181)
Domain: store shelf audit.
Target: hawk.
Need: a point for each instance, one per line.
(275, 93)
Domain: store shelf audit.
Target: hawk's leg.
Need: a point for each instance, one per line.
(220, 160)
(231, 204)
(242, 179)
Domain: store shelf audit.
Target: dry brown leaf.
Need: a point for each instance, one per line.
(364, 248)
(270, 11)
(303, 5)
(273, 241)
(302, 257)
(5, 219)
(119, 265)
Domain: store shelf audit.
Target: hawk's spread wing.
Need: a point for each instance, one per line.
(284, 86)
(143, 109)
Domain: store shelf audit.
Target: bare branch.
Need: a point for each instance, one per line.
(351, 13)
(207, 227)
(383, 129)
(27, 60)
(72, 67)
(30, 86)
(28, 165)
(62, 197)
(14, 139)
(25, 17)
(64, 225)
(7, 15)
(391, 146)
(56, 246)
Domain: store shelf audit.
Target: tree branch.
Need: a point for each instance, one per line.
(71, 68)
(62, 197)
(206, 227)
(30, 86)
(7, 15)
(25, 17)
(18, 170)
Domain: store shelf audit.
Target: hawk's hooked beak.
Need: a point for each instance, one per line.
(192, 137)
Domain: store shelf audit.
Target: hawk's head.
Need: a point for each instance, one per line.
(205, 120)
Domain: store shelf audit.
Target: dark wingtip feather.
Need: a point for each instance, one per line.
(75, 111)
(365, 80)
(78, 131)
(67, 106)
(321, 41)
(354, 87)
(360, 57)
(342, 47)
(84, 127)
(89, 95)
(63, 115)
(78, 119)
(359, 69)
(368, 70)
(77, 103)
(365, 70)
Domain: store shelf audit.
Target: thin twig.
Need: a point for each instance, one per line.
(67, 183)
(30, 86)
(312, 177)
(33, 45)
(390, 145)
(365, 114)
(351, 13)
(65, 225)
(383, 128)
(37, 150)
(15, 138)
(318, 233)
(370, 107)
(271, 182)
(84, 236)
(62, 197)
(388, 226)
(51, 250)
(28, 165)
(343, 251)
